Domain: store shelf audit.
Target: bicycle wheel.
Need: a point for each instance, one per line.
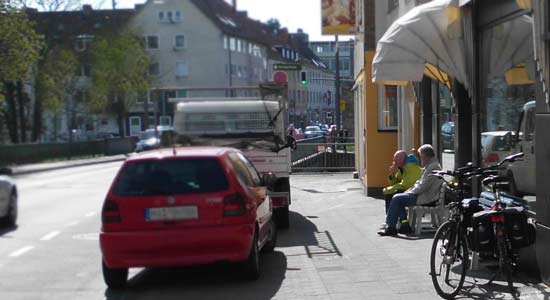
(506, 264)
(448, 260)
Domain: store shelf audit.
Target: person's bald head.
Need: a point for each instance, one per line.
(400, 158)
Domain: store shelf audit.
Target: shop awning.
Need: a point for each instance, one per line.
(428, 40)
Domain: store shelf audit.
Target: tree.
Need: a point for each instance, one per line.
(274, 25)
(119, 74)
(19, 49)
(49, 5)
(55, 81)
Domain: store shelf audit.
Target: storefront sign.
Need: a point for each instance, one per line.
(338, 17)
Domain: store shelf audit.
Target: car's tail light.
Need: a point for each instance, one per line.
(234, 205)
(492, 158)
(110, 212)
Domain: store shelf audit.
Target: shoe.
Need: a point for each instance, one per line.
(405, 229)
(390, 231)
(383, 226)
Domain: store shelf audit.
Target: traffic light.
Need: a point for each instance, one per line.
(303, 77)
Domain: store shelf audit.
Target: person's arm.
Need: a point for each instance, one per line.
(425, 180)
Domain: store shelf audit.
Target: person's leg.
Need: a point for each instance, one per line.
(387, 199)
(397, 207)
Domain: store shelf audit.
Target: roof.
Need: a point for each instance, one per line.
(181, 152)
(234, 22)
(62, 24)
(238, 24)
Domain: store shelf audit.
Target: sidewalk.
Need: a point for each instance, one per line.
(333, 251)
(43, 167)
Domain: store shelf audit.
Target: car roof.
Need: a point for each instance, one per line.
(181, 152)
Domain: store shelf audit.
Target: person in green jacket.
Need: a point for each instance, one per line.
(403, 173)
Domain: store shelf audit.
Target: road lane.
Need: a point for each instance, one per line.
(331, 250)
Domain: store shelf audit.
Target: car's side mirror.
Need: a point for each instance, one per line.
(6, 171)
(268, 180)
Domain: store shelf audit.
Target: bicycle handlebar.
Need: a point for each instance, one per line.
(470, 170)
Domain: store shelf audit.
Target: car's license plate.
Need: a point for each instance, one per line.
(171, 213)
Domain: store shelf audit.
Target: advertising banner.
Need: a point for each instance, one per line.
(338, 17)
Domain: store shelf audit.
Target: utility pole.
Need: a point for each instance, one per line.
(114, 4)
(337, 83)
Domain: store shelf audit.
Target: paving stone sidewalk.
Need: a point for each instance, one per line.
(333, 252)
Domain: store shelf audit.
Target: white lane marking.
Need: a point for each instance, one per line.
(21, 251)
(90, 214)
(71, 224)
(50, 236)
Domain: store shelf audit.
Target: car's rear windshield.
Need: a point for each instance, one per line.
(171, 177)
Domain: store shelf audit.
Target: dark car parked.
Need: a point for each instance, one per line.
(448, 135)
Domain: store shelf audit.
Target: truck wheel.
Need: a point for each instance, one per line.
(281, 213)
(281, 217)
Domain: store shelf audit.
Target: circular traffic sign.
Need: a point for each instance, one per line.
(280, 77)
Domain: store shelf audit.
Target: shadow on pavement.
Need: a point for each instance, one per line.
(7, 229)
(304, 233)
(219, 281)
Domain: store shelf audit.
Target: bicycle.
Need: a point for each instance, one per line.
(450, 244)
(511, 230)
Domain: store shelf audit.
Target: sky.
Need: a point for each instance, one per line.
(293, 14)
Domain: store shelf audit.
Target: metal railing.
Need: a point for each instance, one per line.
(324, 154)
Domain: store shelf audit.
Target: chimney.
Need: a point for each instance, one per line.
(87, 9)
(243, 14)
(283, 34)
(234, 2)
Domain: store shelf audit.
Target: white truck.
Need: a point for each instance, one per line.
(521, 174)
(253, 125)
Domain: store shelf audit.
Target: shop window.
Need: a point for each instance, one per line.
(387, 108)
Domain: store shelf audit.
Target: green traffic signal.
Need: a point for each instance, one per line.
(303, 77)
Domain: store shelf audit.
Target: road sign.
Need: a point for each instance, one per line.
(280, 77)
(287, 67)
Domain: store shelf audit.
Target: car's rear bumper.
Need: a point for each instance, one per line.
(180, 247)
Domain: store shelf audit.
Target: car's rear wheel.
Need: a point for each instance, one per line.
(251, 266)
(11, 217)
(115, 278)
(272, 239)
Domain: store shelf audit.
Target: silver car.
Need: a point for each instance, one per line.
(8, 198)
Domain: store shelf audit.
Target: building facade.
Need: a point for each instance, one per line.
(197, 48)
(490, 59)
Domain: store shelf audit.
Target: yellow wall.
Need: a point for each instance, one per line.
(380, 146)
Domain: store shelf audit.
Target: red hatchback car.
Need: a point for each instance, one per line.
(185, 206)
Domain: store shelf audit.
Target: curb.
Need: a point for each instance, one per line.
(82, 164)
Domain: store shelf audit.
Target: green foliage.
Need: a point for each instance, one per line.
(119, 70)
(19, 43)
(55, 76)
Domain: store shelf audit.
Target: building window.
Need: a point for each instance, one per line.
(232, 44)
(387, 108)
(239, 45)
(181, 70)
(177, 16)
(225, 42)
(179, 41)
(165, 121)
(161, 16)
(82, 42)
(154, 69)
(151, 42)
(392, 4)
